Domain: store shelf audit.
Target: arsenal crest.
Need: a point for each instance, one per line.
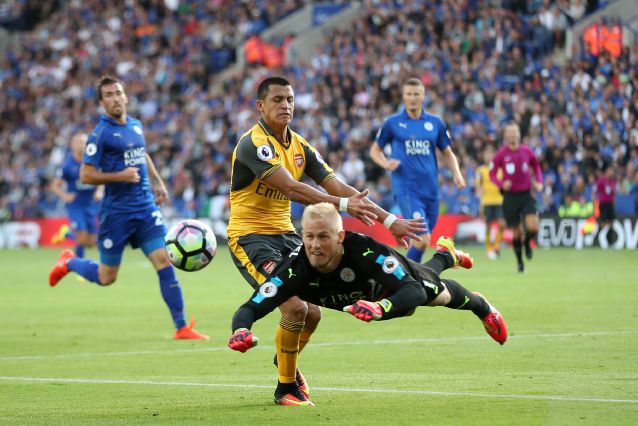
(299, 160)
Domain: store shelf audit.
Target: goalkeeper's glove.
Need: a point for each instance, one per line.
(242, 340)
(364, 310)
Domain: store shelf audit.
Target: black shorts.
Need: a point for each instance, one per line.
(516, 205)
(258, 256)
(607, 213)
(493, 212)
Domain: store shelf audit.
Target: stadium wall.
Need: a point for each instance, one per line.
(33, 233)
(552, 232)
(573, 232)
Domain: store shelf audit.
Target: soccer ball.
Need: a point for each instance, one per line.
(190, 245)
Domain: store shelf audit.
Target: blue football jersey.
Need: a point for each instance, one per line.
(112, 147)
(413, 142)
(70, 173)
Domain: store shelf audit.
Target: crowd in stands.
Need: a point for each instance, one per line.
(483, 62)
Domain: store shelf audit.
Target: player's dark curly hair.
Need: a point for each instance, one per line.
(105, 80)
(262, 90)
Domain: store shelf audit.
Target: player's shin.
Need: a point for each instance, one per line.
(518, 249)
(172, 294)
(287, 344)
(86, 268)
(499, 237)
(440, 261)
(79, 251)
(529, 237)
(415, 254)
(461, 298)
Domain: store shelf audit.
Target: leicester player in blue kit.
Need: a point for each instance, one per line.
(413, 135)
(79, 198)
(115, 156)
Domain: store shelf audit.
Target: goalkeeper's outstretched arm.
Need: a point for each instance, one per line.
(254, 309)
(242, 338)
(245, 316)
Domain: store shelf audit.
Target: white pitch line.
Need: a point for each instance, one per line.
(328, 389)
(320, 344)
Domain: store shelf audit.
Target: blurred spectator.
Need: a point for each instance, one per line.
(573, 9)
(555, 21)
(353, 169)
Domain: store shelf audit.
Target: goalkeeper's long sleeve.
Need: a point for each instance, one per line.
(243, 318)
(259, 306)
(248, 313)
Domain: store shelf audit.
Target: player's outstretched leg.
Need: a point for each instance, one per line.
(494, 323)
(460, 258)
(60, 269)
(290, 395)
(463, 299)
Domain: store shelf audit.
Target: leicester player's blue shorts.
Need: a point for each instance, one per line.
(83, 218)
(144, 229)
(414, 208)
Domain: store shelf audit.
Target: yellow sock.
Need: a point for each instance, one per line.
(488, 237)
(287, 344)
(304, 337)
(499, 238)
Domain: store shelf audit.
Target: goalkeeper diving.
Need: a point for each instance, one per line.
(352, 272)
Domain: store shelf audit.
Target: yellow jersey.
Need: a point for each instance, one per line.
(256, 207)
(490, 193)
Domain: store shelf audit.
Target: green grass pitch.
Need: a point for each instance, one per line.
(78, 354)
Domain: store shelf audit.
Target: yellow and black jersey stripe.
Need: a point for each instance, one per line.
(256, 207)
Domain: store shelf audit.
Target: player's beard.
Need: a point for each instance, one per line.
(320, 263)
(117, 111)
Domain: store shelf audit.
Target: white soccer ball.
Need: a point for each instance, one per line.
(190, 245)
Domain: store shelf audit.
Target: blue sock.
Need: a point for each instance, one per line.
(172, 294)
(79, 251)
(414, 254)
(86, 268)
